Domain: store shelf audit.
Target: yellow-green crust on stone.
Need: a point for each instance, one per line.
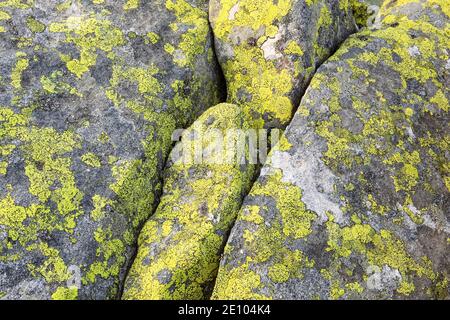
(268, 52)
(357, 206)
(89, 98)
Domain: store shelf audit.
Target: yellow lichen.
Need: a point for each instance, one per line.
(89, 35)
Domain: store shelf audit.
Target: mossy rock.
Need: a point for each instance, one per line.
(90, 93)
(181, 244)
(353, 202)
(270, 50)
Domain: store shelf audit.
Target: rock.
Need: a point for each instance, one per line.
(269, 51)
(180, 245)
(267, 63)
(90, 93)
(353, 202)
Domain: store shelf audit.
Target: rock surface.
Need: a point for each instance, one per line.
(181, 244)
(269, 51)
(353, 202)
(90, 92)
(268, 61)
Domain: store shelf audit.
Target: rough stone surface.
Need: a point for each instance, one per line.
(353, 202)
(180, 245)
(268, 53)
(90, 92)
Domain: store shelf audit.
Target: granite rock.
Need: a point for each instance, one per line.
(268, 53)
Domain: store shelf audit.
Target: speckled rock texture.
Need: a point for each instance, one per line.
(98, 200)
(268, 53)
(270, 50)
(180, 245)
(353, 202)
(90, 93)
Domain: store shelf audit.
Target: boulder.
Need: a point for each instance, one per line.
(181, 244)
(353, 201)
(90, 93)
(270, 50)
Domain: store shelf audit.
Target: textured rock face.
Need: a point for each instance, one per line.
(269, 51)
(267, 60)
(180, 246)
(90, 92)
(353, 202)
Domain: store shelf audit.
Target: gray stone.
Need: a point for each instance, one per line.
(353, 202)
(89, 97)
(268, 59)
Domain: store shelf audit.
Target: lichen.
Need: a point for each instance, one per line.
(192, 219)
(89, 35)
(268, 242)
(370, 134)
(91, 160)
(35, 25)
(16, 74)
(56, 97)
(63, 293)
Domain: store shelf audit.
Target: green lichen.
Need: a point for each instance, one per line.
(99, 205)
(17, 4)
(193, 239)
(53, 157)
(111, 256)
(278, 273)
(91, 160)
(192, 41)
(148, 86)
(263, 81)
(379, 248)
(16, 74)
(53, 84)
(253, 14)
(249, 70)
(241, 283)
(35, 25)
(153, 37)
(294, 48)
(268, 242)
(45, 164)
(370, 229)
(63, 293)
(131, 4)
(4, 16)
(89, 35)
(360, 12)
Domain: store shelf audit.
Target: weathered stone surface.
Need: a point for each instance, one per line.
(180, 245)
(269, 50)
(268, 53)
(353, 202)
(90, 92)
